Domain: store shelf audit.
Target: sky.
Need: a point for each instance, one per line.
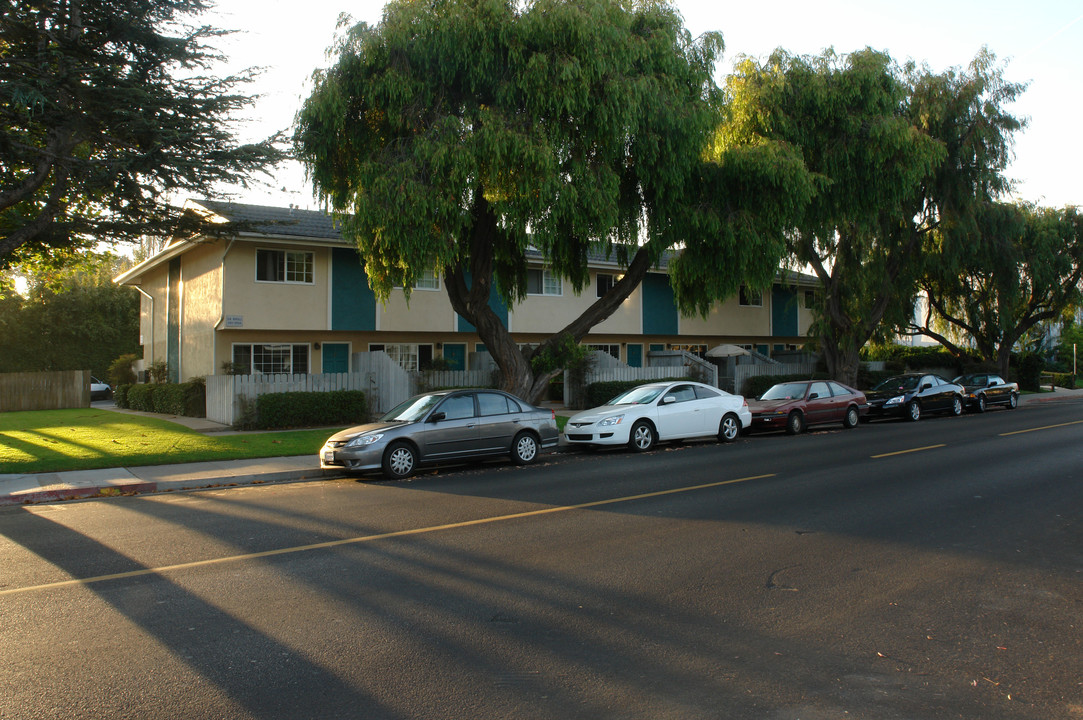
(1040, 43)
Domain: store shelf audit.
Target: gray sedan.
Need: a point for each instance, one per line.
(444, 426)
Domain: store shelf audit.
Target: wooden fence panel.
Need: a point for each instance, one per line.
(744, 372)
(44, 390)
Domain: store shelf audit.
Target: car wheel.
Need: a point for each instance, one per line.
(980, 404)
(913, 411)
(729, 428)
(795, 423)
(852, 418)
(1013, 401)
(400, 460)
(957, 406)
(642, 437)
(524, 449)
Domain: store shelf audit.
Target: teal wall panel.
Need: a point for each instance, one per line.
(496, 303)
(783, 312)
(659, 309)
(353, 304)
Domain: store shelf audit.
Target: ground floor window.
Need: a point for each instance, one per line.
(271, 358)
(700, 350)
(408, 356)
(613, 350)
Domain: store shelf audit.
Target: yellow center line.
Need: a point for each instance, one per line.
(912, 450)
(1047, 427)
(371, 538)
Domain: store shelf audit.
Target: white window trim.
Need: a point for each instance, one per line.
(547, 276)
(252, 366)
(311, 261)
(425, 275)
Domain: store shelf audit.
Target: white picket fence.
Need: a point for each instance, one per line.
(383, 381)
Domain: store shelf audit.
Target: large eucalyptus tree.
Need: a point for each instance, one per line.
(456, 134)
(903, 158)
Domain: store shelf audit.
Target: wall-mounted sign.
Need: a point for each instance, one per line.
(234, 321)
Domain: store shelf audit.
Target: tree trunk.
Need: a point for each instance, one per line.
(472, 303)
(842, 363)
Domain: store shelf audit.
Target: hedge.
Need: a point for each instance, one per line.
(141, 397)
(187, 399)
(310, 409)
(1064, 380)
(599, 393)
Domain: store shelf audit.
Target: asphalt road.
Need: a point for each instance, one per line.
(928, 570)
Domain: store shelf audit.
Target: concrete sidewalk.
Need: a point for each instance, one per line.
(52, 487)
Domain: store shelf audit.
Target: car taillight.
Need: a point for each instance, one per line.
(554, 414)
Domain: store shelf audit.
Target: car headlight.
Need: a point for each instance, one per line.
(611, 421)
(364, 440)
(898, 400)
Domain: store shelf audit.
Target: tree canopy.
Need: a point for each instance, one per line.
(76, 320)
(108, 110)
(457, 136)
(897, 153)
(1020, 265)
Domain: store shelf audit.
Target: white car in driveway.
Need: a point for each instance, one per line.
(659, 412)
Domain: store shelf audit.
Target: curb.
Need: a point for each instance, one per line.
(139, 486)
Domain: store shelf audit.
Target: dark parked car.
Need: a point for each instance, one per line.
(913, 395)
(984, 389)
(444, 426)
(796, 405)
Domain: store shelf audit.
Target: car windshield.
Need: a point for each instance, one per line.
(638, 396)
(971, 379)
(899, 382)
(785, 391)
(412, 409)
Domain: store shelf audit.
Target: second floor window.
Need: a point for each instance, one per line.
(284, 266)
(749, 297)
(542, 282)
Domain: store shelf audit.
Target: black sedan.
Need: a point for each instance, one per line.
(913, 395)
(984, 389)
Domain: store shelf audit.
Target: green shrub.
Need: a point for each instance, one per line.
(1060, 379)
(120, 395)
(311, 409)
(599, 393)
(188, 399)
(120, 371)
(1028, 371)
(141, 397)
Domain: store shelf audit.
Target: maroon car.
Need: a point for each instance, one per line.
(796, 405)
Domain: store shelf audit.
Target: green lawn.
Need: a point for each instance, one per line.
(84, 439)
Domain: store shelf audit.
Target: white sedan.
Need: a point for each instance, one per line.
(658, 412)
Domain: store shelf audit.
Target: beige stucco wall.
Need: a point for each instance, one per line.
(267, 306)
(730, 318)
(427, 311)
(201, 278)
(551, 313)
(152, 315)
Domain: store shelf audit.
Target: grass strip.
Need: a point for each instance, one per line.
(90, 438)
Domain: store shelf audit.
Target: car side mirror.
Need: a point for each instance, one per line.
(668, 399)
(992, 383)
(813, 396)
(925, 387)
(437, 416)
